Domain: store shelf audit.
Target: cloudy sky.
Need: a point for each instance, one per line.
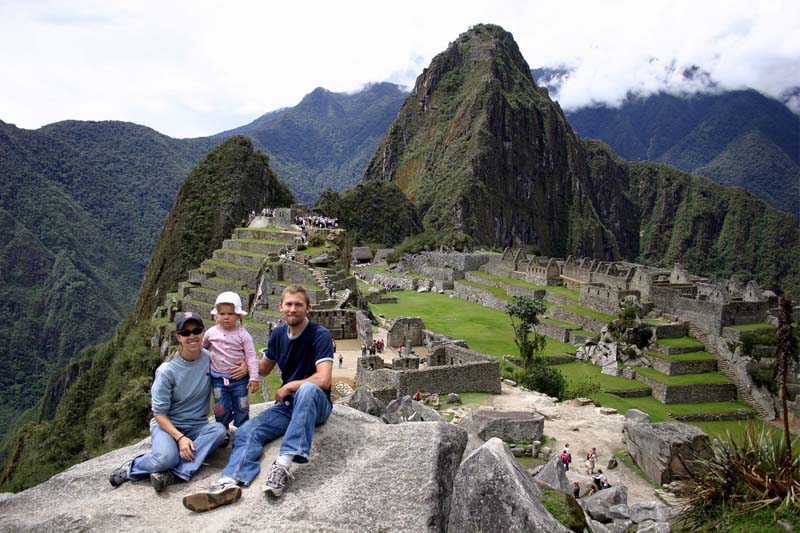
(192, 68)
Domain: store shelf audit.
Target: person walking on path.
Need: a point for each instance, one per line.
(303, 351)
(592, 458)
(181, 434)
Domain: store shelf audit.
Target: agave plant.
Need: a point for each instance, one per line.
(742, 478)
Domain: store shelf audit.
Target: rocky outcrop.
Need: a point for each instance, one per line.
(514, 426)
(492, 493)
(363, 400)
(364, 476)
(666, 451)
(599, 505)
(553, 475)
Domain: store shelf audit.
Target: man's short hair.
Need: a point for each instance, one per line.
(296, 289)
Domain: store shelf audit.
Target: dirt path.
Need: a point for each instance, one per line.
(581, 426)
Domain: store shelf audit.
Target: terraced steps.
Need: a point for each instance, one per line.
(224, 269)
(266, 234)
(255, 245)
(681, 364)
(687, 388)
(679, 345)
(241, 257)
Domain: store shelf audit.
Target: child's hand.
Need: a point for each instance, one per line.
(252, 386)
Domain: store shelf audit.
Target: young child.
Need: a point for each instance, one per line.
(229, 344)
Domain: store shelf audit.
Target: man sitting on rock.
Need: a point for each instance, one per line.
(303, 351)
(181, 433)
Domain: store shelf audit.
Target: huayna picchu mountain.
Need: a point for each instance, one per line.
(102, 399)
(490, 160)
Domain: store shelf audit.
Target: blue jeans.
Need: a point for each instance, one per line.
(309, 407)
(165, 452)
(231, 403)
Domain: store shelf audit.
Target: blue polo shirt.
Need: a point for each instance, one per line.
(298, 358)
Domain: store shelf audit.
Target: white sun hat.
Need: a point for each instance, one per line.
(229, 297)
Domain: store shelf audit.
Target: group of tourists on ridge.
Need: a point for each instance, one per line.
(222, 359)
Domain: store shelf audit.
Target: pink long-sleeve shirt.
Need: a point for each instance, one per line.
(228, 348)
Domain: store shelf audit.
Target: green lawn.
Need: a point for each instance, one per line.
(708, 378)
(579, 371)
(563, 291)
(752, 327)
(580, 310)
(486, 330)
(691, 356)
(264, 241)
(660, 412)
(681, 342)
(494, 291)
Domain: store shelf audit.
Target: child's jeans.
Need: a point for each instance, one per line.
(231, 401)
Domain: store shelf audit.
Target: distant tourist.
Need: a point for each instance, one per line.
(341, 358)
(230, 344)
(181, 435)
(592, 458)
(303, 352)
(599, 479)
(576, 489)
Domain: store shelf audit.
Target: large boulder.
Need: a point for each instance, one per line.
(513, 426)
(599, 505)
(407, 410)
(652, 510)
(667, 451)
(554, 476)
(363, 400)
(363, 476)
(492, 493)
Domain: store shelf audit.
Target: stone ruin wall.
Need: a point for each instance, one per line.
(405, 328)
(475, 373)
(343, 324)
(363, 328)
(480, 296)
(605, 300)
(454, 261)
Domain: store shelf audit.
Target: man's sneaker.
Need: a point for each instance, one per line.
(216, 495)
(160, 480)
(226, 441)
(120, 475)
(276, 481)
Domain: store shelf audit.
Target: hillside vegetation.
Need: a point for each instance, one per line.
(102, 400)
(739, 138)
(82, 203)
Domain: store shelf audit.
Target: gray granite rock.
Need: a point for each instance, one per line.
(648, 526)
(407, 410)
(667, 451)
(599, 504)
(652, 510)
(553, 475)
(619, 511)
(492, 493)
(363, 400)
(516, 426)
(637, 416)
(363, 476)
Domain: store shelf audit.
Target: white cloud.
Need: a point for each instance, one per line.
(199, 67)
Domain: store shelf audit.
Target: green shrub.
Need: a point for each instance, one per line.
(545, 379)
(751, 341)
(585, 388)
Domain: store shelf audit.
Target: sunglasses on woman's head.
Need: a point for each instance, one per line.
(187, 332)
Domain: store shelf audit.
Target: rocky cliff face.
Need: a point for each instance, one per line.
(488, 158)
(487, 154)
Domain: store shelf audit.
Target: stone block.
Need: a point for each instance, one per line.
(514, 426)
(666, 451)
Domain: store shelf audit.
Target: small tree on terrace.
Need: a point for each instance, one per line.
(786, 353)
(524, 312)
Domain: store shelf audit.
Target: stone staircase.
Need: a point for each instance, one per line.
(724, 365)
